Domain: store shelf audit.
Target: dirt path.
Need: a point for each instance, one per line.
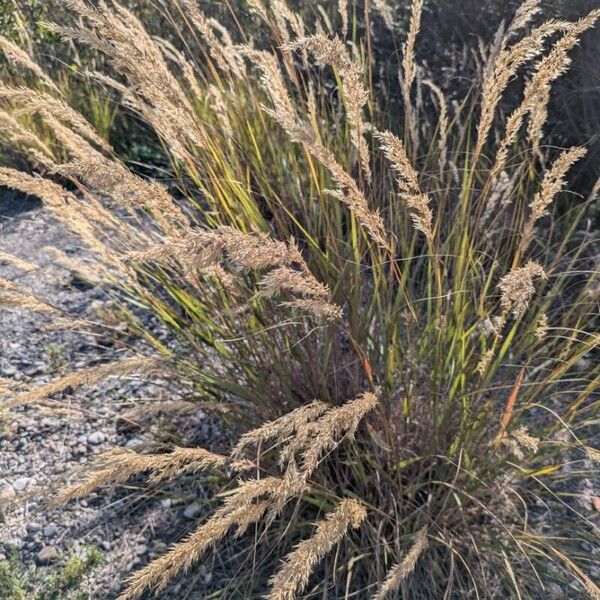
(112, 534)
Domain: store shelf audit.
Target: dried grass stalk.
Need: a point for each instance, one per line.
(293, 577)
(19, 138)
(314, 438)
(280, 429)
(243, 507)
(517, 288)
(34, 101)
(408, 182)
(552, 183)
(403, 569)
(255, 251)
(333, 52)
(283, 112)
(409, 72)
(523, 16)
(386, 13)
(537, 91)
(499, 73)
(442, 123)
(120, 464)
(20, 58)
(85, 378)
(19, 263)
(343, 11)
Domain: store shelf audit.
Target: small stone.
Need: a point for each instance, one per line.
(50, 530)
(141, 549)
(166, 503)
(105, 545)
(21, 483)
(47, 554)
(192, 511)
(9, 371)
(82, 439)
(133, 443)
(33, 527)
(79, 450)
(96, 438)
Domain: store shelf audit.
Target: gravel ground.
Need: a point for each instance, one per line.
(39, 450)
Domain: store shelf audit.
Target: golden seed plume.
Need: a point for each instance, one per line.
(484, 361)
(18, 138)
(386, 13)
(17, 262)
(283, 112)
(523, 15)
(408, 182)
(537, 91)
(280, 429)
(34, 101)
(517, 288)
(314, 438)
(120, 464)
(409, 72)
(499, 73)
(343, 11)
(403, 569)
(552, 183)
(257, 251)
(294, 575)
(19, 57)
(333, 52)
(85, 377)
(241, 508)
(541, 330)
(223, 54)
(442, 123)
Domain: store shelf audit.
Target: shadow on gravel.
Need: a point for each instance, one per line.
(13, 203)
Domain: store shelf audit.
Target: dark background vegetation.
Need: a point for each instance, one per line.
(449, 28)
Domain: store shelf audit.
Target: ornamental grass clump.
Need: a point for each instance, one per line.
(380, 297)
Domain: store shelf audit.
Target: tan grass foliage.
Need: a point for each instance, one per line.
(241, 508)
(283, 112)
(294, 575)
(333, 52)
(409, 71)
(517, 288)
(120, 464)
(84, 378)
(19, 57)
(257, 251)
(399, 573)
(408, 182)
(552, 183)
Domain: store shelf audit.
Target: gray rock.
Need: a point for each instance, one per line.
(47, 555)
(134, 443)
(9, 370)
(50, 530)
(192, 511)
(141, 549)
(166, 503)
(33, 527)
(105, 545)
(95, 438)
(79, 450)
(21, 483)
